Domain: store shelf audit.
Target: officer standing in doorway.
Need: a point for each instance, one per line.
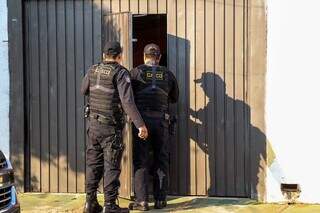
(110, 96)
(154, 87)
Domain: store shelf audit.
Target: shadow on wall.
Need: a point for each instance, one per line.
(254, 155)
(235, 148)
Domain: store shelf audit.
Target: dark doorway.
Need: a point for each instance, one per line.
(149, 29)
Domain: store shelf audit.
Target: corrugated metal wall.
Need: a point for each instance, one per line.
(209, 55)
(62, 39)
(208, 40)
(208, 47)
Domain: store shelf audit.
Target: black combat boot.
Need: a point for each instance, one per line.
(114, 208)
(92, 205)
(140, 206)
(160, 204)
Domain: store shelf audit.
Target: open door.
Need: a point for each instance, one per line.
(118, 27)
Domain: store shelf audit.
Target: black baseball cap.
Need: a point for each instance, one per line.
(152, 49)
(112, 48)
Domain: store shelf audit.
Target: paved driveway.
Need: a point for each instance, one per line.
(51, 203)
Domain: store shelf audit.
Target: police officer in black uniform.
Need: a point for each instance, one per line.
(154, 88)
(110, 96)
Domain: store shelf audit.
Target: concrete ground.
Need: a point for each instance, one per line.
(51, 203)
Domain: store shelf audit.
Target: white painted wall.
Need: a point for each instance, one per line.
(4, 80)
(293, 96)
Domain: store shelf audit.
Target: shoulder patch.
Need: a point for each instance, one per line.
(103, 70)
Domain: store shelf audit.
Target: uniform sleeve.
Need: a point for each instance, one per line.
(127, 99)
(85, 85)
(135, 79)
(174, 92)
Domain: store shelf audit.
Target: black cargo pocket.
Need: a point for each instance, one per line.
(114, 151)
(95, 137)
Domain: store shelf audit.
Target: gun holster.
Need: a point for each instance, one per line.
(172, 125)
(87, 111)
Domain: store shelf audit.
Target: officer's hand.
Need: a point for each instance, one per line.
(143, 132)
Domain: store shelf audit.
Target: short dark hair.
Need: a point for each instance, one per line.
(111, 56)
(152, 49)
(153, 57)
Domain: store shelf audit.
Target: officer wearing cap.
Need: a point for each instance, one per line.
(110, 97)
(154, 87)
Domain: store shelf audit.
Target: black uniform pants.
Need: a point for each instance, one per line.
(158, 143)
(103, 157)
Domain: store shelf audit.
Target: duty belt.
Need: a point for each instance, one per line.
(158, 114)
(101, 118)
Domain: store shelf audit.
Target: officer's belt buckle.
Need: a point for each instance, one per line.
(94, 116)
(100, 118)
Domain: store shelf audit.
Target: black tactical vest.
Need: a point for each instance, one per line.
(104, 96)
(152, 93)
